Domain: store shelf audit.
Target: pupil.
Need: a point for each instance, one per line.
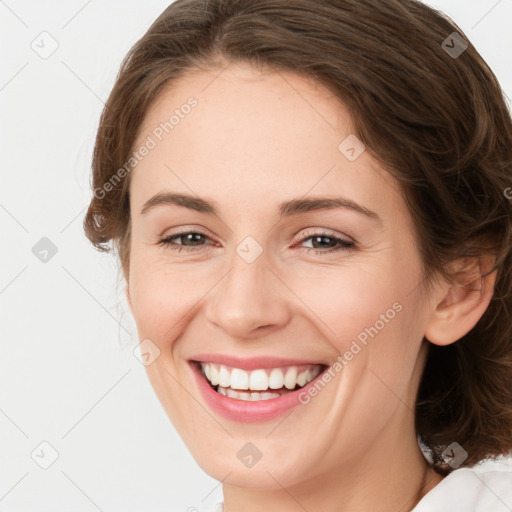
(320, 239)
(191, 236)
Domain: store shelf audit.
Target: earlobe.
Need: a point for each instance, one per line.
(462, 303)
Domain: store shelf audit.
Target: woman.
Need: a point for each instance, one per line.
(308, 199)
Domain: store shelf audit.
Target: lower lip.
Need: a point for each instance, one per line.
(244, 411)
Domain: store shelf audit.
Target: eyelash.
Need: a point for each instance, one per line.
(343, 245)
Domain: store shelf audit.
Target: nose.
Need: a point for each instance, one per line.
(249, 301)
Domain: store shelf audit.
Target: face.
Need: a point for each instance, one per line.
(277, 319)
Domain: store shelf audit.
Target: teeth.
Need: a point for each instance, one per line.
(224, 377)
(231, 380)
(290, 378)
(268, 396)
(259, 380)
(230, 392)
(302, 378)
(276, 379)
(239, 379)
(214, 374)
(247, 397)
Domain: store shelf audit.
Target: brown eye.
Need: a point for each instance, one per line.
(326, 243)
(188, 241)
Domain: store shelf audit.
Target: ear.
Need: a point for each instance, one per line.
(462, 303)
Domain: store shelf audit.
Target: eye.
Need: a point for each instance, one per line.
(319, 239)
(191, 241)
(192, 237)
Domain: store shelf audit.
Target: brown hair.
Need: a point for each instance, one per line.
(436, 119)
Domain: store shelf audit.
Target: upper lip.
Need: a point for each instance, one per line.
(251, 363)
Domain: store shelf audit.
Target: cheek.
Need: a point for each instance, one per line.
(370, 318)
(164, 296)
(348, 301)
(163, 303)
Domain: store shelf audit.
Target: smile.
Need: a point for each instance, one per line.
(259, 384)
(253, 389)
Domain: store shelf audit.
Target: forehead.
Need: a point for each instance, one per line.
(242, 103)
(267, 132)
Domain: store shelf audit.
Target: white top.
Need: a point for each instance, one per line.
(485, 487)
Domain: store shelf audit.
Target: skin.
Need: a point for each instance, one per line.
(258, 138)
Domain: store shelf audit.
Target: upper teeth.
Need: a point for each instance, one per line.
(261, 379)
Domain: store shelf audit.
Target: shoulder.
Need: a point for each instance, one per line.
(485, 487)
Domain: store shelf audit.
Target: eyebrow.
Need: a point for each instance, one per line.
(286, 209)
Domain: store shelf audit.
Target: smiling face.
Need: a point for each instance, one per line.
(274, 285)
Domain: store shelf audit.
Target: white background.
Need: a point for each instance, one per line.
(67, 372)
